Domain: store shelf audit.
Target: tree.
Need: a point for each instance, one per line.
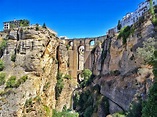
(37, 27)
(146, 53)
(135, 109)
(44, 25)
(24, 22)
(119, 26)
(149, 54)
(150, 106)
(86, 73)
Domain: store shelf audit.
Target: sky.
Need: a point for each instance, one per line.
(71, 18)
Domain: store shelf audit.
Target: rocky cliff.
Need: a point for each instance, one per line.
(32, 61)
(118, 74)
(35, 79)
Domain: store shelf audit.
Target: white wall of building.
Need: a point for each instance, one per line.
(131, 18)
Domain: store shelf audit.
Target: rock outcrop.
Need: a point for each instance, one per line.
(40, 56)
(121, 75)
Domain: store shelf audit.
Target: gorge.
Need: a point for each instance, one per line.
(42, 75)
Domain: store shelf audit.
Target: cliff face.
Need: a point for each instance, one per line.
(39, 56)
(35, 79)
(119, 72)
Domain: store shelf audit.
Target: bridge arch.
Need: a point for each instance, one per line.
(81, 57)
(92, 43)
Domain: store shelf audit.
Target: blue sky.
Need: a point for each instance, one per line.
(71, 18)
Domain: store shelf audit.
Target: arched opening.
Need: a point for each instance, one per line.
(70, 45)
(92, 43)
(79, 78)
(81, 57)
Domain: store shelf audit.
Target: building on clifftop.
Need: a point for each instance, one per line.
(15, 24)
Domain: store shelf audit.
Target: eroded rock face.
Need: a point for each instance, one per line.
(40, 55)
(122, 75)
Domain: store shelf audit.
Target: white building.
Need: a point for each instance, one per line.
(131, 18)
(127, 20)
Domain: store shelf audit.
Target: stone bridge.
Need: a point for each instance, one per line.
(80, 54)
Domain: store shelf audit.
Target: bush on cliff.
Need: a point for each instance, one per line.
(11, 82)
(86, 74)
(124, 34)
(64, 114)
(2, 78)
(150, 106)
(59, 85)
(135, 109)
(1, 65)
(13, 57)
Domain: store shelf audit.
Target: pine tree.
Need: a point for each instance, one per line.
(119, 26)
(44, 25)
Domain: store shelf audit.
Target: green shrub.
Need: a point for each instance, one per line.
(88, 111)
(150, 106)
(124, 34)
(135, 109)
(2, 78)
(47, 109)
(13, 57)
(11, 82)
(28, 102)
(154, 21)
(67, 76)
(24, 22)
(20, 81)
(151, 7)
(105, 103)
(46, 86)
(118, 114)
(64, 114)
(3, 44)
(67, 46)
(1, 65)
(59, 85)
(86, 73)
(146, 53)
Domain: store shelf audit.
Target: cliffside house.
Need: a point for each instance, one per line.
(15, 24)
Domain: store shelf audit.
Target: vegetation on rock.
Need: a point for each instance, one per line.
(119, 26)
(150, 105)
(86, 74)
(64, 114)
(59, 85)
(135, 109)
(11, 82)
(125, 33)
(146, 53)
(13, 57)
(1, 65)
(24, 23)
(2, 78)
(44, 26)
